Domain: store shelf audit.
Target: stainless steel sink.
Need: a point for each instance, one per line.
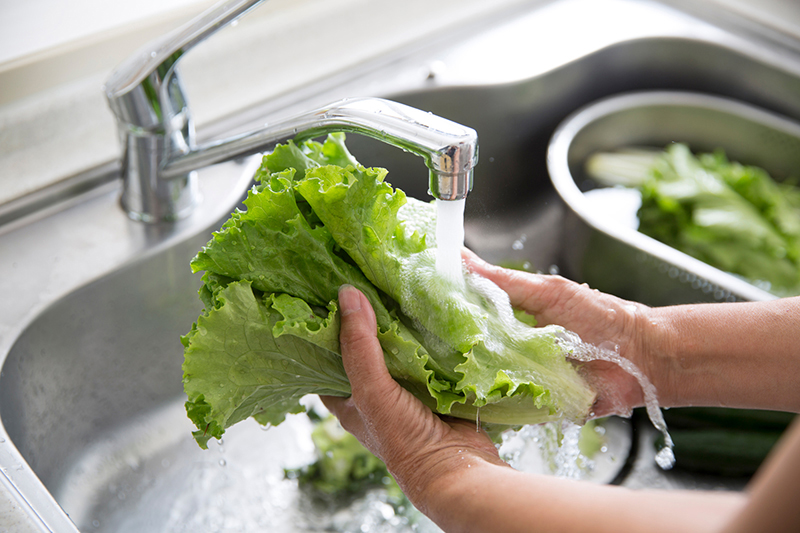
(93, 432)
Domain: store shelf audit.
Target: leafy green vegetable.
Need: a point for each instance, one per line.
(269, 332)
(342, 466)
(732, 216)
(592, 440)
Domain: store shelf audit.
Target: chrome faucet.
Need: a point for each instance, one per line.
(160, 156)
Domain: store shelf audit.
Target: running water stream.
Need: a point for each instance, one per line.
(450, 240)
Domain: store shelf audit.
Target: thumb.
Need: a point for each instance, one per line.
(362, 354)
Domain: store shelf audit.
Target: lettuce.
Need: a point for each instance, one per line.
(732, 216)
(342, 467)
(268, 335)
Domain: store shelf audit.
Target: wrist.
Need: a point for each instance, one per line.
(434, 481)
(727, 354)
(447, 492)
(657, 342)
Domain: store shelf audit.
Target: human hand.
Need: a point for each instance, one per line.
(598, 318)
(417, 446)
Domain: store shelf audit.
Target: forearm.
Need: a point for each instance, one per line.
(738, 355)
(487, 497)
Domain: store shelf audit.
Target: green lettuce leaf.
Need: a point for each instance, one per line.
(269, 331)
(343, 466)
(732, 216)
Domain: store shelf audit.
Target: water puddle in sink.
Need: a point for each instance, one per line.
(151, 476)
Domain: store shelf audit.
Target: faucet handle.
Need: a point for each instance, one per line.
(143, 91)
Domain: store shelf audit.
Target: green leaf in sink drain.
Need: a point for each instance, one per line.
(269, 331)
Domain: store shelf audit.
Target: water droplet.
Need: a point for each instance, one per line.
(665, 458)
(609, 346)
(222, 462)
(96, 523)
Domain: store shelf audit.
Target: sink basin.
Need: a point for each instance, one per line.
(94, 437)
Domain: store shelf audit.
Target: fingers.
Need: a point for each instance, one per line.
(525, 290)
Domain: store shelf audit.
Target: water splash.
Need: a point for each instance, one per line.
(584, 352)
(551, 448)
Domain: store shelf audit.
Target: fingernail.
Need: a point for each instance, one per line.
(349, 300)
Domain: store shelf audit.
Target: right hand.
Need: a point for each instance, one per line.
(598, 318)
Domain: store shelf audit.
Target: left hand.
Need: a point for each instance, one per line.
(416, 444)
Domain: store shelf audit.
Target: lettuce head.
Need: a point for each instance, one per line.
(269, 333)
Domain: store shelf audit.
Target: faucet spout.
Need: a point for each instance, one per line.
(450, 150)
(160, 155)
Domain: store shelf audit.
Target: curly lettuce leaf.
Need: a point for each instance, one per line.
(731, 216)
(318, 220)
(343, 466)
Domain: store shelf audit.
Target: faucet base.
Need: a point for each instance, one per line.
(153, 201)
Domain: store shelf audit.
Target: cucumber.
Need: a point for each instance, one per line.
(722, 441)
(726, 418)
(722, 452)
